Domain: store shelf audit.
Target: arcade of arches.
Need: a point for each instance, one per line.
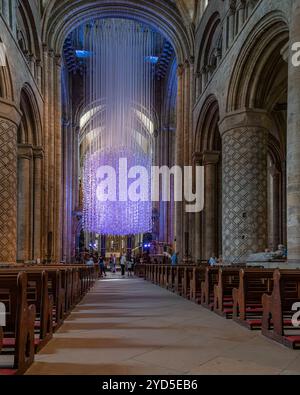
(226, 97)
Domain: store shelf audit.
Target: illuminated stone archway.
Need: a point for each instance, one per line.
(60, 18)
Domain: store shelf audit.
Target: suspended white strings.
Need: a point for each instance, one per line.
(119, 91)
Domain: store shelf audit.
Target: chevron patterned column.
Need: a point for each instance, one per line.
(9, 120)
(244, 142)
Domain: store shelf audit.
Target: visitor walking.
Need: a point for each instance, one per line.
(123, 265)
(102, 267)
(129, 267)
(213, 260)
(114, 264)
(174, 259)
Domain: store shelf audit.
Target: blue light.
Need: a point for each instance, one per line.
(83, 54)
(152, 59)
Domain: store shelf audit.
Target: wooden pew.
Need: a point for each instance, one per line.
(166, 275)
(140, 270)
(277, 308)
(179, 273)
(247, 299)
(228, 279)
(37, 295)
(171, 278)
(162, 277)
(207, 287)
(1, 338)
(186, 284)
(18, 336)
(198, 276)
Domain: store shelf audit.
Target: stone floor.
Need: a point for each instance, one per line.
(129, 327)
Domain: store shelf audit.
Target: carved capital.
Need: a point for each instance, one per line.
(254, 118)
(38, 153)
(180, 69)
(25, 151)
(210, 157)
(10, 112)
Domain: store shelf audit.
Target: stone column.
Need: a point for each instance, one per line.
(210, 161)
(188, 72)
(179, 157)
(24, 227)
(9, 121)
(197, 242)
(244, 161)
(293, 144)
(276, 206)
(38, 155)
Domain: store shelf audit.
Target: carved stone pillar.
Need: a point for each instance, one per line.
(38, 155)
(293, 144)
(9, 121)
(210, 161)
(179, 156)
(197, 242)
(24, 227)
(276, 207)
(244, 162)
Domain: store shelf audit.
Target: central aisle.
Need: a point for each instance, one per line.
(130, 327)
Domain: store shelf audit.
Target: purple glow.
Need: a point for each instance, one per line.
(116, 218)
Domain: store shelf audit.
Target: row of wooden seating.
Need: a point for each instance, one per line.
(257, 298)
(37, 300)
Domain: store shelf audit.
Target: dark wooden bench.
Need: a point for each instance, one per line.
(207, 287)
(179, 274)
(163, 278)
(247, 299)
(166, 275)
(140, 270)
(186, 284)
(171, 278)
(198, 276)
(18, 334)
(37, 295)
(228, 279)
(278, 309)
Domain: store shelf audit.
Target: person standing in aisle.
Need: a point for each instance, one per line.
(123, 264)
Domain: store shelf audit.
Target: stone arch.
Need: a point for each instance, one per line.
(30, 131)
(29, 170)
(209, 147)
(207, 133)
(259, 64)
(27, 34)
(260, 80)
(210, 42)
(61, 17)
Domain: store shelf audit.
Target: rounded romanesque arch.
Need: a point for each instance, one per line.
(260, 66)
(61, 17)
(257, 100)
(207, 132)
(29, 176)
(208, 226)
